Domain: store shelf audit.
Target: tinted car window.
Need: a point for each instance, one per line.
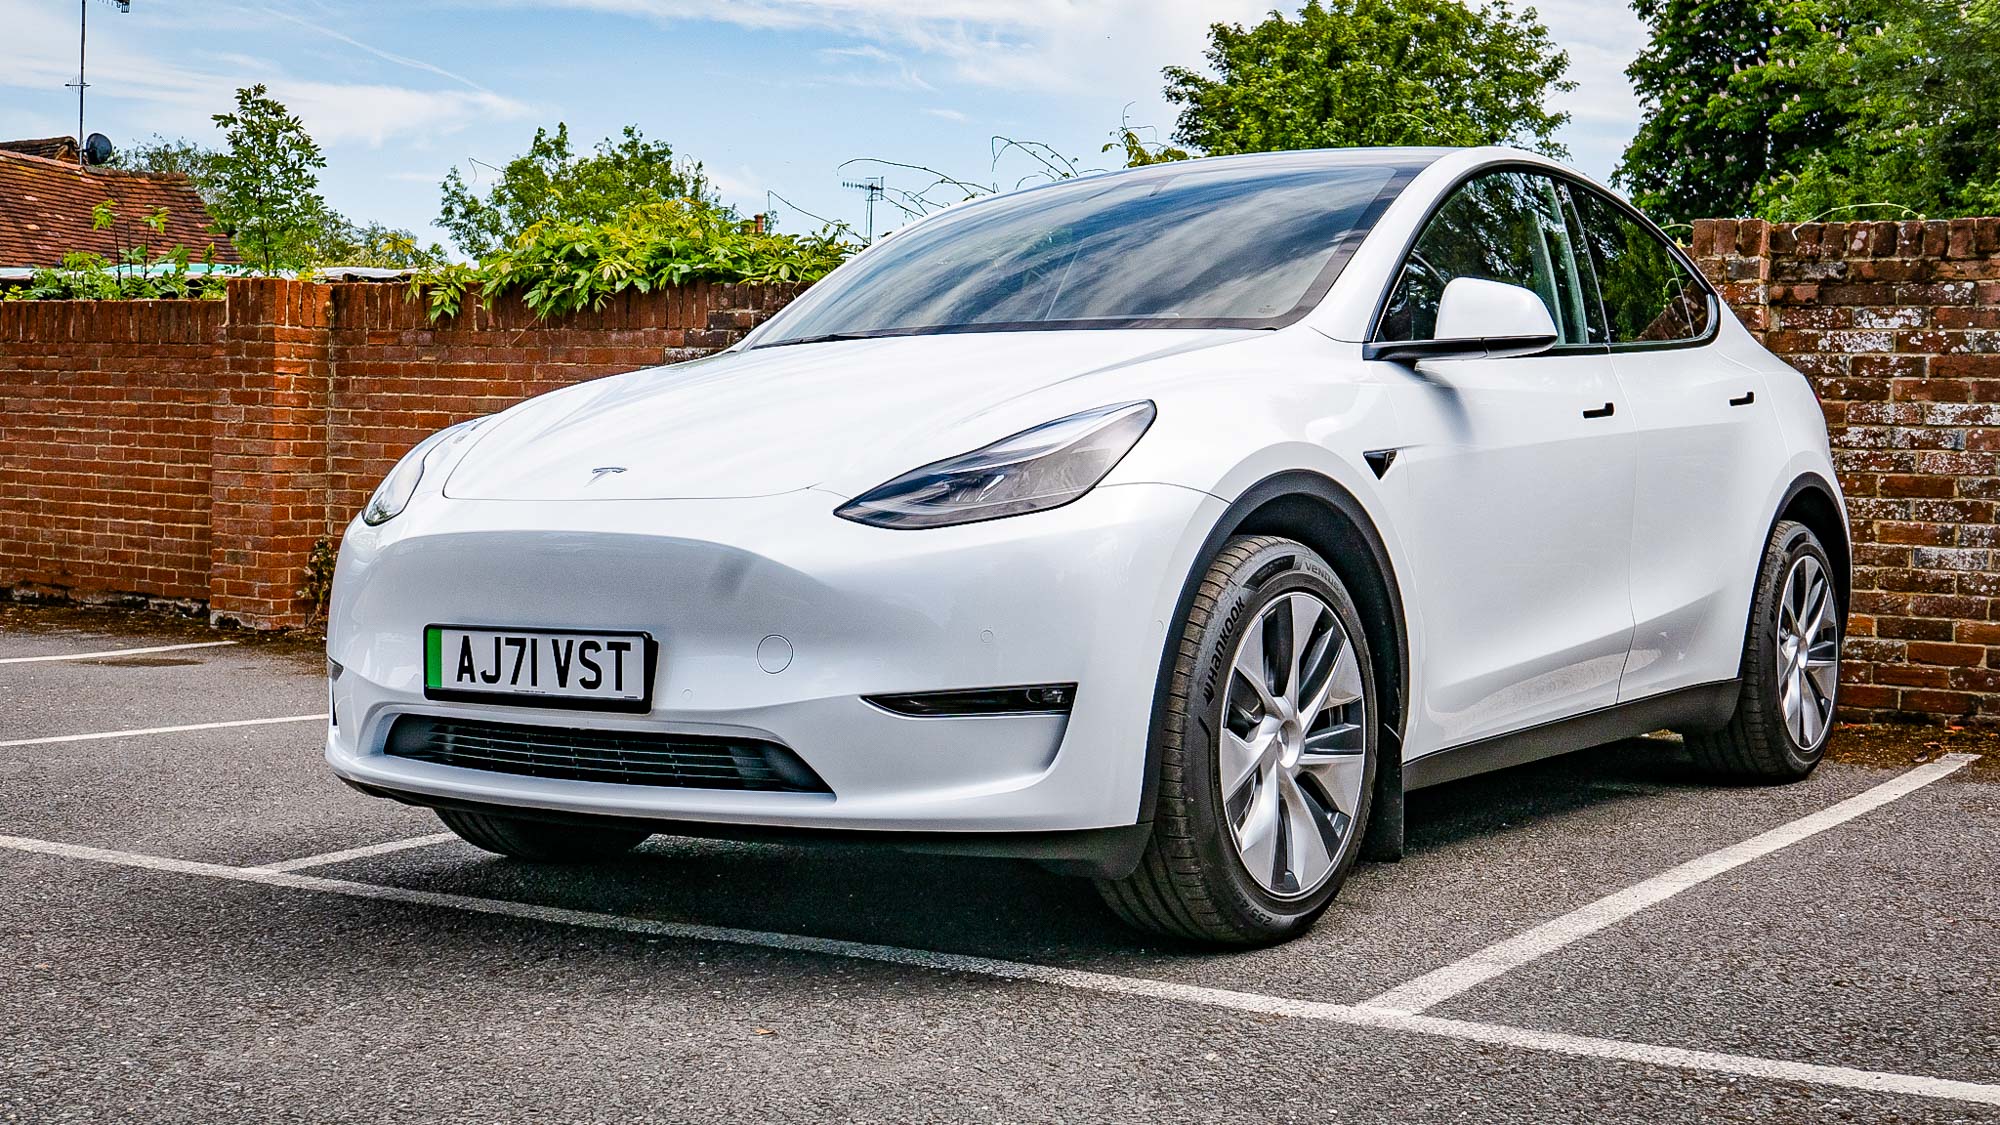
(1502, 226)
(1239, 243)
(1649, 296)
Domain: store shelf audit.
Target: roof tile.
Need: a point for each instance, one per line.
(45, 212)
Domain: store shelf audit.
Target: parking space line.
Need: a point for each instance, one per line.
(111, 653)
(1442, 984)
(1578, 1046)
(363, 852)
(94, 736)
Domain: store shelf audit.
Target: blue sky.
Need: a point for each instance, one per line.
(772, 95)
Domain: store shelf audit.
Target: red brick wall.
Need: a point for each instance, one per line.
(1898, 327)
(193, 451)
(105, 441)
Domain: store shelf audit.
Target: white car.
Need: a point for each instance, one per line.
(1164, 526)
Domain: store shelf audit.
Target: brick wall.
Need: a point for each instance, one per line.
(1898, 327)
(105, 442)
(191, 452)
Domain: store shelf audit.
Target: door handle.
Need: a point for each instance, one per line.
(1748, 398)
(1605, 411)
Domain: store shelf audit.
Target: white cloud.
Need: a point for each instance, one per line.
(947, 114)
(180, 96)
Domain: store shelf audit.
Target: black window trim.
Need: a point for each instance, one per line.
(1567, 180)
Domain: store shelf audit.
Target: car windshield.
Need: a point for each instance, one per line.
(1225, 243)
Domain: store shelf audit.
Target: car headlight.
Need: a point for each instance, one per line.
(393, 494)
(1040, 468)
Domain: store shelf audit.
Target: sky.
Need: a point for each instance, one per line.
(775, 97)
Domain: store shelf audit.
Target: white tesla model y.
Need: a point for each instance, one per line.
(1165, 526)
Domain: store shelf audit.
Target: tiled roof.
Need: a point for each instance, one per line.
(55, 148)
(45, 211)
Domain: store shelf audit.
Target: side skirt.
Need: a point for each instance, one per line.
(1700, 706)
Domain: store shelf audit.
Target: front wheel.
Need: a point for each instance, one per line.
(1267, 753)
(1791, 668)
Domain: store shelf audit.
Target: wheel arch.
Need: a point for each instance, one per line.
(1318, 512)
(1810, 500)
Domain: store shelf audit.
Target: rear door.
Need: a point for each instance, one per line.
(1514, 481)
(1708, 448)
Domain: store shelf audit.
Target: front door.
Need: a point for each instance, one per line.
(1514, 479)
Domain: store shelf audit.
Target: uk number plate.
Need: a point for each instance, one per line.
(544, 667)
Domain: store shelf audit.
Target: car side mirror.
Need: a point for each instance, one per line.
(1477, 318)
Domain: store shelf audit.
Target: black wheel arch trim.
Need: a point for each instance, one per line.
(1841, 553)
(1314, 487)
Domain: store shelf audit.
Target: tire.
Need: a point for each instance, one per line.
(539, 841)
(1195, 880)
(1762, 742)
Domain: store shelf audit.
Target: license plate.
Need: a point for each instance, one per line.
(539, 667)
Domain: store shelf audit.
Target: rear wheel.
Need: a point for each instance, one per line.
(1791, 668)
(539, 841)
(1267, 755)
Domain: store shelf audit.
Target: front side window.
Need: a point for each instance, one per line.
(1502, 226)
(1227, 243)
(1649, 296)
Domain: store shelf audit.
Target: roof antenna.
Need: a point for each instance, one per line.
(873, 186)
(82, 33)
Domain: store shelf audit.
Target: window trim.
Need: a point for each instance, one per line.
(1567, 179)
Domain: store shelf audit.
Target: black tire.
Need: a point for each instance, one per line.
(539, 841)
(1758, 745)
(1191, 882)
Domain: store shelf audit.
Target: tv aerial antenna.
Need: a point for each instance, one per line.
(82, 33)
(873, 187)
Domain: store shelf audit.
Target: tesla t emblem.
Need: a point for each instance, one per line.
(600, 473)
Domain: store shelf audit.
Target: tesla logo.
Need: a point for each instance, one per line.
(600, 473)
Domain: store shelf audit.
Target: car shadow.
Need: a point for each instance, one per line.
(998, 908)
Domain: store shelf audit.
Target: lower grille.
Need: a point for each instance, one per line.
(618, 757)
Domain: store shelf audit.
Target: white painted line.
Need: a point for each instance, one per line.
(1439, 985)
(106, 655)
(356, 853)
(1581, 1046)
(319, 718)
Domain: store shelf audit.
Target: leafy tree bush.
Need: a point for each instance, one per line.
(1374, 72)
(264, 186)
(136, 274)
(551, 183)
(563, 266)
(1801, 109)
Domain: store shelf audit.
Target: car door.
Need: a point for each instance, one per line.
(1708, 447)
(1513, 478)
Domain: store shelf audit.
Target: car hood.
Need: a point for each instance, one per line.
(843, 415)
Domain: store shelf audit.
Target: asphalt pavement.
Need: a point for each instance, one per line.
(199, 924)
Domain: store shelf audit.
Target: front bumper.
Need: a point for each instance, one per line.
(1081, 594)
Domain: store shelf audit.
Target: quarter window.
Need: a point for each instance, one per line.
(1649, 296)
(1502, 226)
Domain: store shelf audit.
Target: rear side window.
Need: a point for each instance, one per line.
(1502, 226)
(1649, 296)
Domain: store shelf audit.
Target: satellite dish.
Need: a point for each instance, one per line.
(97, 150)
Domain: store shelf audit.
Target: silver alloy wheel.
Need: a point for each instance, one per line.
(1808, 652)
(1293, 745)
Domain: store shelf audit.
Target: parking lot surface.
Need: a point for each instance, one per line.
(198, 923)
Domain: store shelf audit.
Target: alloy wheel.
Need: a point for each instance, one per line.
(1808, 652)
(1292, 752)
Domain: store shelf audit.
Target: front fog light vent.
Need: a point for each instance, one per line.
(1033, 699)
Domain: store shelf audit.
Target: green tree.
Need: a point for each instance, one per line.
(176, 156)
(1917, 96)
(264, 189)
(1374, 72)
(1727, 106)
(551, 182)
